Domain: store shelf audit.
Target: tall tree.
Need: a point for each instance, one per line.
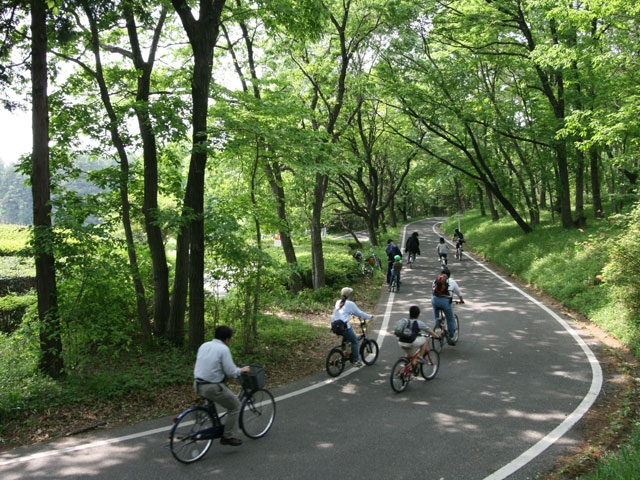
(51, 361)
(203, 35)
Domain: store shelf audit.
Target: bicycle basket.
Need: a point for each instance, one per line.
(254, 379)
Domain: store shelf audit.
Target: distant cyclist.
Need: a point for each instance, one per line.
(412, 247)
(459, 239)
(443, 250)
(391, 250)
(396, 267)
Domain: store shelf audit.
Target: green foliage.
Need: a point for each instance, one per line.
(14, 240)
(622, 272)
(12, 309)
(623, 464)
(570, 265)
(593, 270)
(13, 267)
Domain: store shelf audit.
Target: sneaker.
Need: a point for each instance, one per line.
(357, 364)
(450, 341)
(234, 442)
(420, 359)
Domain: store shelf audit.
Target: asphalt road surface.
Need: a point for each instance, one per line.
(503, 405)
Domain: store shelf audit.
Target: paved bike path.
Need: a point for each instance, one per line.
(518, 379)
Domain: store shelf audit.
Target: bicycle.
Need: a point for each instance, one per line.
(394, 286)
(443, 331)
(459, 250)
(406, 368)
(340, 354)
(411, 258)
(365, 266)
(195, 429)
(443, 260)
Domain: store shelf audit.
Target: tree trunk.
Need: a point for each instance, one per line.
(203, 34)
(317, 256)
(51, 361)
(483, 212)
(580, 219)
(492, 207)
(275, 181)
(595, 182)
(155, 239)
(116, 138)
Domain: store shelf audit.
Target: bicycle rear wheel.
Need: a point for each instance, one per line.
(185, 439)
(335, 362)
(399, 377)
(429, 369)
(257, 413)
(369, 351)
(456, 334)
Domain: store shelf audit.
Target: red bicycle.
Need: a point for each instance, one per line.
(407, 367)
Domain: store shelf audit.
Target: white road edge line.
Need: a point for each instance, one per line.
(504, 472)
(576, 415)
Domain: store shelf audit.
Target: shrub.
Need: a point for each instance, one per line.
(622, 271)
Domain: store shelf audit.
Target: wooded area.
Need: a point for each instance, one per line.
(221, 122)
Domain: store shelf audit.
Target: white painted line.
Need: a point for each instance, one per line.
(576, 415)
(504, 472)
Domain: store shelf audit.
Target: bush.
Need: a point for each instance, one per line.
(622, 272)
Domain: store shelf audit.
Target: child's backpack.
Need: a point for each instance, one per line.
(406, 330)
(441, 286)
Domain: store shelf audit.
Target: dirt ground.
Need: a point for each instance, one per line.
(605, 426)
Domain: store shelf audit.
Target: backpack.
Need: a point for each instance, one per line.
(441, 286)
(406, 330)
(338, 327)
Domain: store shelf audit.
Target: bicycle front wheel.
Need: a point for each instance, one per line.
(257, 413)
(437, 343)
(368, 269)
(186, 437)
(429, 369)
(335, 362)
(399, 378)
(369, 351)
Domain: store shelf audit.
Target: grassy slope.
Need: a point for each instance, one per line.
(567, 265)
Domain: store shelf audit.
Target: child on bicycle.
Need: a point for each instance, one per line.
(420, 342)
(343, 310)
(443, 250)
(397, 266)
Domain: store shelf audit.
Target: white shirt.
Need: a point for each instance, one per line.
(349, 308)
(214, 362)
(454, 288)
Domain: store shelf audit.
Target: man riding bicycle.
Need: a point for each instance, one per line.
(412, 247)
(214, 364)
